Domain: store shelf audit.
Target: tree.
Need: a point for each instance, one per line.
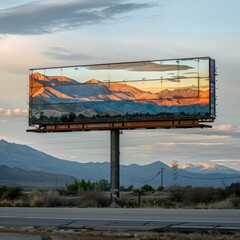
(68, 117)
(104, 185)
(10, 192)
(73, 187)
(147, 188)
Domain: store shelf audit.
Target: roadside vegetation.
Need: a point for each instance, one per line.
(97, 194)
(98, 235)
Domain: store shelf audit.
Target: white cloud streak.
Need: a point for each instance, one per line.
(41, 17)
(60, 53)
(223, 127)
(13, 112)
(226, 161)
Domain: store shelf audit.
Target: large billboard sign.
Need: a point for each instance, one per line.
(123, 92)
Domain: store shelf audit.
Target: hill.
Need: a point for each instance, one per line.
(32, 179)
(21, 156)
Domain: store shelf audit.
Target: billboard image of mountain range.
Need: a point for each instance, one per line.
(120, 92)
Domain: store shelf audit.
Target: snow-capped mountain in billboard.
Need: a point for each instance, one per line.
(67, 89)
(53, 96)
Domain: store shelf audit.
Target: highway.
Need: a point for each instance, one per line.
(123, 219)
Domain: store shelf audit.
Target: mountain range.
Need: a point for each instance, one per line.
(203, 167)
(32, 179)
(57, 95)
(31, 162)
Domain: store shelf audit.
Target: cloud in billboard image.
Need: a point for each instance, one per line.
(135, 91)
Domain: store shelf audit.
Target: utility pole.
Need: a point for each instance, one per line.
(175, 169)
(162, 177)
(56, 182)
(115, 167)
(132, 184)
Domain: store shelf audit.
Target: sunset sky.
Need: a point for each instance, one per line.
(48, 33)
(152, 76)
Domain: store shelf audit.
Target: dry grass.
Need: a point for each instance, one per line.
(51, 198)
(97, 235)
(229, 203)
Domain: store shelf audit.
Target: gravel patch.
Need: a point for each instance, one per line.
(16, 236)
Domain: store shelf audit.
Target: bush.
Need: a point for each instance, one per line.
(81, 186)
(53, 199)
(72, 188)
(234, 189)
(175, 193)
(163, 203)
(5, 203)
(14, 192)
(10, 192)
(46, 237)
(161, 189)
(36, 199)
(3, 190)
(195, 195)
(198, 236)
(228, 203)
(94, 199)
(147, 188)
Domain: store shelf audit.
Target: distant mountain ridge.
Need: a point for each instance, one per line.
(32, 179)
(23, 157)
(203, 167)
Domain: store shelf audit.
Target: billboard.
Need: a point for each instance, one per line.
(123, 92)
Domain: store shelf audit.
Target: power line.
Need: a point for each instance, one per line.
(139, 181)
(206, 178)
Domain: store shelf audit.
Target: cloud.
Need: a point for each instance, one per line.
(142, 66)
(46, 16)
(223, 127)
(60, 53)
(226, 160)
(221, 131)
(3, 37)
(13, 112)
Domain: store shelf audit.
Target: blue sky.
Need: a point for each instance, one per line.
(48, 33)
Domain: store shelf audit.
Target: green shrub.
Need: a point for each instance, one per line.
(46, 237)
(234, 189)
(73, 188)
(235, 202)
(10, 192)
(3, 190)
(161, 189)
(14, 192)
(147, 188)
(198, 236)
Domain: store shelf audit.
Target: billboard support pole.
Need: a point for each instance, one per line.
(115, 166)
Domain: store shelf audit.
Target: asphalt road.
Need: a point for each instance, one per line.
(126, 219)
